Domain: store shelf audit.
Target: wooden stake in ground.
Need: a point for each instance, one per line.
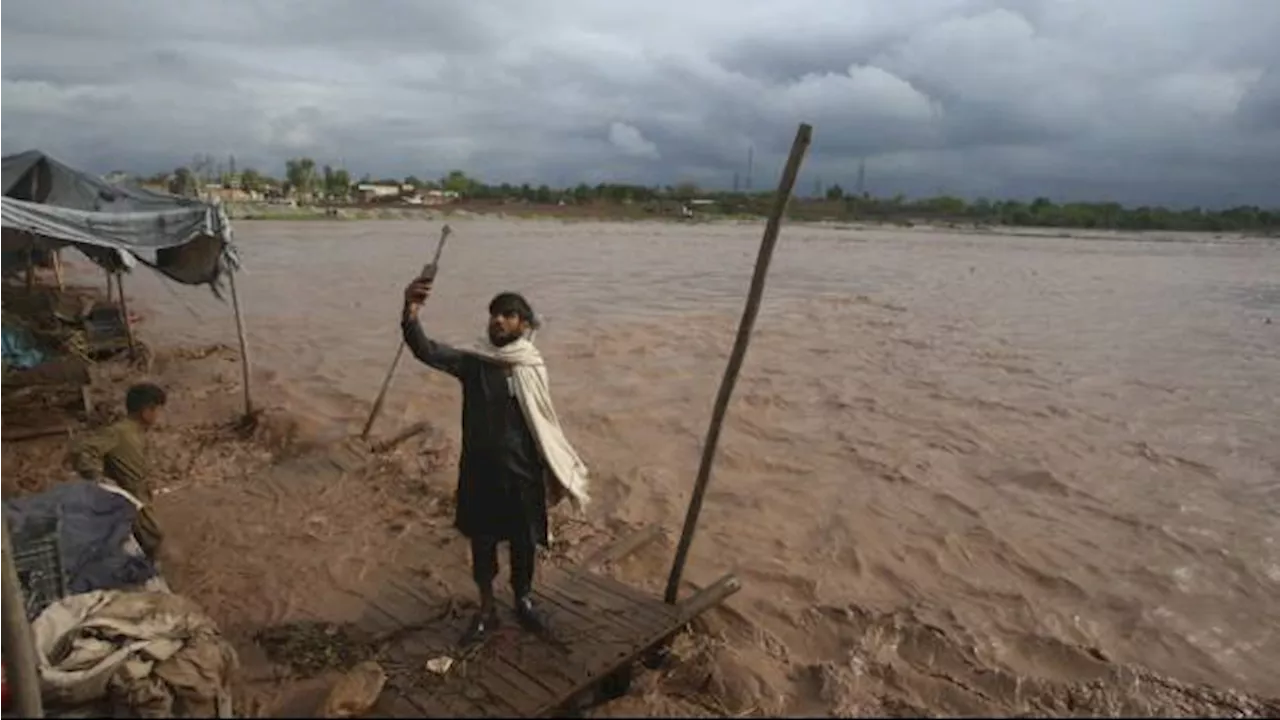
(31, 237)
(244, 345)
(428, 271)
(20, 653)
(124, 312)
(803, 136)
(57, 269)
(31, 263)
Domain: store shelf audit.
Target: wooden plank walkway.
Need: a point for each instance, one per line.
(599, 628)
(311, 473)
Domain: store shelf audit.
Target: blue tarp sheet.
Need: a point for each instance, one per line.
(95, 525)
(20, 349)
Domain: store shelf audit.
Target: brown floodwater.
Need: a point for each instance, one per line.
(1024, 440)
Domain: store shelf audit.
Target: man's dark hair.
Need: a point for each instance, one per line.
(509, 303)
(143, 396)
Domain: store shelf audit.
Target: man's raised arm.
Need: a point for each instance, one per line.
(434, 354)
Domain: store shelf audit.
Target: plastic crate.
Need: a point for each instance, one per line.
(105, 330)
(37, 556)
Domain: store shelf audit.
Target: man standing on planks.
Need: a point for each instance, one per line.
(515, 459)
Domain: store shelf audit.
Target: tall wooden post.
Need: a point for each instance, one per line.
(124, 312)
(31, 263)
(31, 237)
(57, 269)
(429, 272)
(798, 148)
(20, 664)
(244, 344)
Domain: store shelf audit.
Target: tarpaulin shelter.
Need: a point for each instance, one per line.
(48, 205)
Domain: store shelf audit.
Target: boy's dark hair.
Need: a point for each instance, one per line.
(143, 396)
(509, 303)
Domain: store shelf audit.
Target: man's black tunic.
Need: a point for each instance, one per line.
(500, 475)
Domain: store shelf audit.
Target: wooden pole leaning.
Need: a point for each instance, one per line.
(245, 374)
(798, 149)
(428, 271)
(21, 666)
(124, 315)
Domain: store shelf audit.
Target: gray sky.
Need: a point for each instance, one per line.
(1174, 101)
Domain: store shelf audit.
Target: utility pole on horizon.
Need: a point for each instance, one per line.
(751, 150)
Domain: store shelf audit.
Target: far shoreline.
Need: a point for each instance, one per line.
(264, 212)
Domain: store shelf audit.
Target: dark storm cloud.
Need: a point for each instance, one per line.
(1260, 107)
(1140, 100)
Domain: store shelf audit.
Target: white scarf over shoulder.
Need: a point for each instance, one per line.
(566, 472)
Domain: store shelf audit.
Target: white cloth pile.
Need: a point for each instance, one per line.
(147, 654)
(567, 472)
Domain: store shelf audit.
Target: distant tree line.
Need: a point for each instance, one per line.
(1043, 212)
(307, 182)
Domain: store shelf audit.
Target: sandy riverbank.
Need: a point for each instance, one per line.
(256, 563)
(252, 563)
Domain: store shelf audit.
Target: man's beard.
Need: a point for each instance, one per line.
(499, 338)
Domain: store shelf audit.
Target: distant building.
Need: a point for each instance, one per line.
(407, 194)
(438, 197)
(370, 192)
(229, 194)
(686, 208)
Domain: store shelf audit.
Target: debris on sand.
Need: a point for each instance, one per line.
(356, 692)
(440, 665)
(310, 648)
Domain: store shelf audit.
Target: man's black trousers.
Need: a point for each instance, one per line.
(484, 562)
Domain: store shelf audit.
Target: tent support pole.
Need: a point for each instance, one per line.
(428, 271)
(31, 238)
(31, 265)
(244, 344)
(20, 664)
(110, 293)
(124, 313)
(798, 148)
(57, 269)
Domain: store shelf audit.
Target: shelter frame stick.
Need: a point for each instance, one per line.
(31, 264)
(244, 344)
(57, 269)
(382, 393)
(804, 134)
(124, 313)
(31, 238)
(428, 271)
(20, 657)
